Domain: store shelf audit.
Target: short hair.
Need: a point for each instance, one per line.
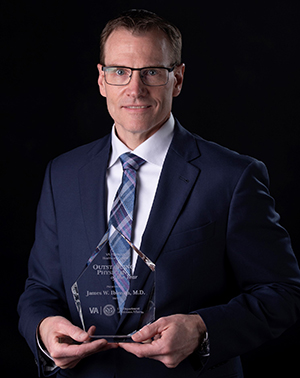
(141, 21)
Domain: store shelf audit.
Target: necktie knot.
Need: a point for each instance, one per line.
(131, 161)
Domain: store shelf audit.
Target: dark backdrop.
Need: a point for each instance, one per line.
(241, 90)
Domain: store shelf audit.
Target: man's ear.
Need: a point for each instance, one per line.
(101, 81)
(178, 73)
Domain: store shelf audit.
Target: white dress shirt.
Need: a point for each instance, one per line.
(153, 151)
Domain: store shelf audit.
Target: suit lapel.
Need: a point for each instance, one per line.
(176, 182)
(92, 186)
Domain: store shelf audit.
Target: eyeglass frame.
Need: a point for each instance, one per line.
(104, 68)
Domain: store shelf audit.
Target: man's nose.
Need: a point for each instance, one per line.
(136, 87)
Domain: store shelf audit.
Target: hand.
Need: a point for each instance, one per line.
(169, 340)
(60, 338)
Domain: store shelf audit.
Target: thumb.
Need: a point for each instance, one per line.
(146, 334)
(75, 332)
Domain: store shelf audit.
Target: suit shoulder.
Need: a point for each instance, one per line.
(203, 153)
(79, 156)
(223, 165)
(217, 153)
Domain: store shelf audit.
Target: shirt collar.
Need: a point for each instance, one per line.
(153, 150)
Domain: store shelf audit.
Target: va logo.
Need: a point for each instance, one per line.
(109, 310)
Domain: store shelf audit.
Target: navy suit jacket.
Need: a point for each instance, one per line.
(215, 238)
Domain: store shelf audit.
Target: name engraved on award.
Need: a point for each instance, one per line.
(95, 296)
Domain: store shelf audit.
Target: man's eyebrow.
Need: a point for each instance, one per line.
(152, 64)
(137, 68)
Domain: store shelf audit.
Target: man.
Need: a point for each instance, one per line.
(227, 279)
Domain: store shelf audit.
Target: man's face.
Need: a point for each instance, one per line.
(139, 110)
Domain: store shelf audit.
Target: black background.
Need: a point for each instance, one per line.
(241, 90)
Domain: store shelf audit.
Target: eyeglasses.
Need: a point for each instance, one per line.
(151, 76)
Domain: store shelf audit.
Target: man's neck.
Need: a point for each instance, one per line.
(132, 139)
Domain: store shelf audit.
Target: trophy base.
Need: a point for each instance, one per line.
(115, 338)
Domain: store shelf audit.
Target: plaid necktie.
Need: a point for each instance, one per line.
(121, 218)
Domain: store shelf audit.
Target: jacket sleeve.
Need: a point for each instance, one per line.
(260, 255)
(44, 293)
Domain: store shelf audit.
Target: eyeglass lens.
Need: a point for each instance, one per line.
(149, 76)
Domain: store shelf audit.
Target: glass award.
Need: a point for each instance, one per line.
(95, 295)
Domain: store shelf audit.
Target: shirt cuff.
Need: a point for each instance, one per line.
(44, 356)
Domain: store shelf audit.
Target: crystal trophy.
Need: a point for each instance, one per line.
(95, 296)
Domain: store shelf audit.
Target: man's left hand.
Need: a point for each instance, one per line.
(169, 339)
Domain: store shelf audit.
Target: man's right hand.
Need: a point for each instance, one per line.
(60, 338)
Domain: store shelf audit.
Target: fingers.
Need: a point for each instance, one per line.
(173, 338)
(66, 355)
(169, 340)
(68, 344)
